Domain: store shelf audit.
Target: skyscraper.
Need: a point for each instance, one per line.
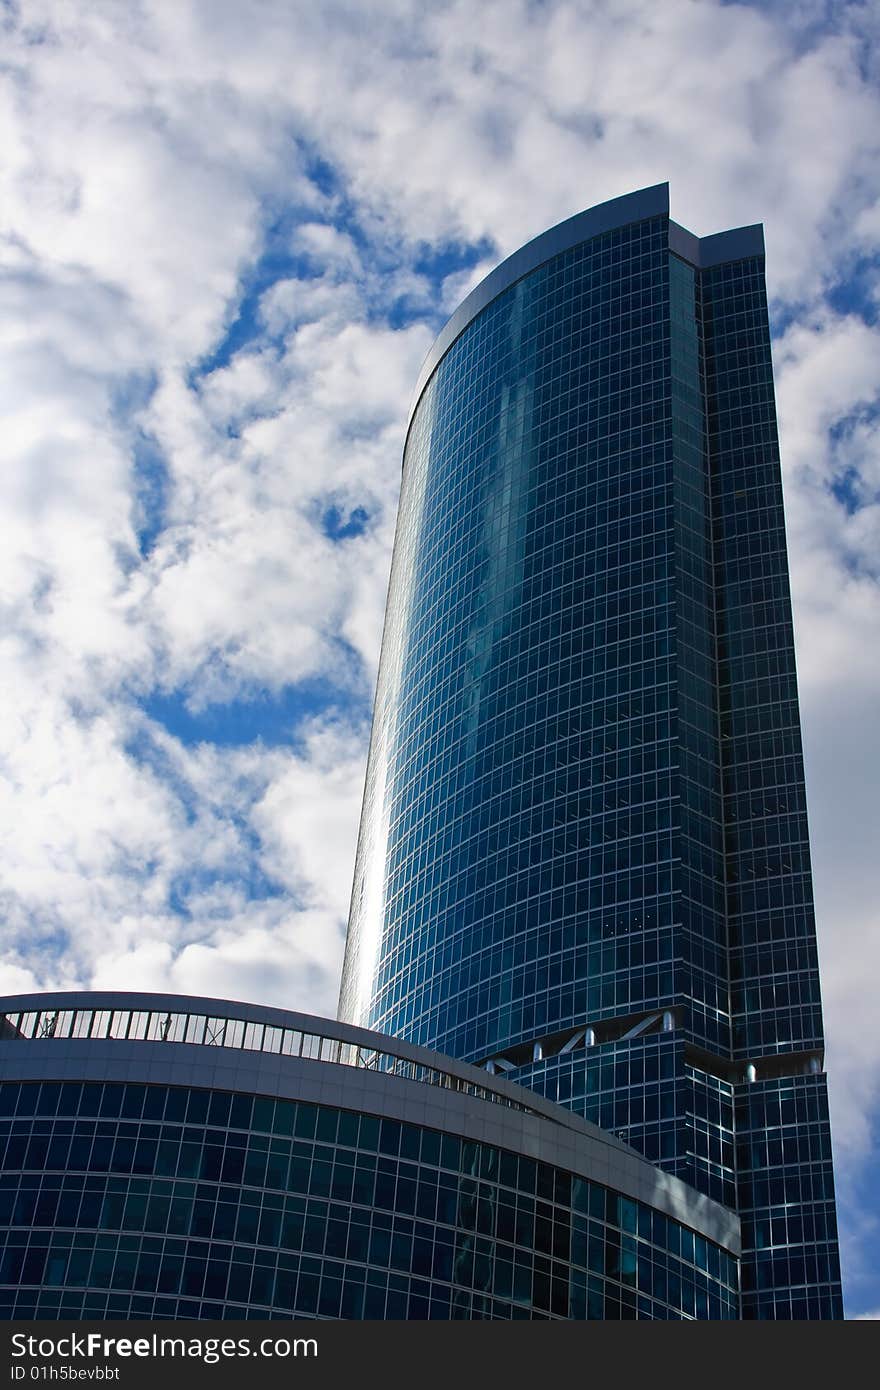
(583, 858)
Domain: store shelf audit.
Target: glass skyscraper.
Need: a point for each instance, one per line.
(583, 860)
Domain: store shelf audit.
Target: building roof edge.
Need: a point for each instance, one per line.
(701, 252)
(604, 217)
(719, 248)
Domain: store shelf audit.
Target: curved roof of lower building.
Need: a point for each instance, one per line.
(224, 1044)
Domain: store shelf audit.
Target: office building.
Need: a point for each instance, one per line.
(583, 862)
(190, 1158)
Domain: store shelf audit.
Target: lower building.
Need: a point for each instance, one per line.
(166, 1157)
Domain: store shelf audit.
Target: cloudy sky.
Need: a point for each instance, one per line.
(229, 231)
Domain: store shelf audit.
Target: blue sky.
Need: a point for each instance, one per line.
(229, 231)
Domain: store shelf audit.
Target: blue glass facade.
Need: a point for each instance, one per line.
(583, 857)
(164, 1202)
(123, 1197)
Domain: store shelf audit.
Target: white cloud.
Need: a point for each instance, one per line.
(307, 819)
(828, 382)
(328, 248)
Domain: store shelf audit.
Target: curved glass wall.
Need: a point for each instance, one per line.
(148, 1201)
(515, 874)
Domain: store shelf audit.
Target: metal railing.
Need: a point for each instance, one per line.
(223, 1030)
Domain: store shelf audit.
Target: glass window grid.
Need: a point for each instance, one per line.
(786, 1194)
(406, 1212)
(559, 496)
